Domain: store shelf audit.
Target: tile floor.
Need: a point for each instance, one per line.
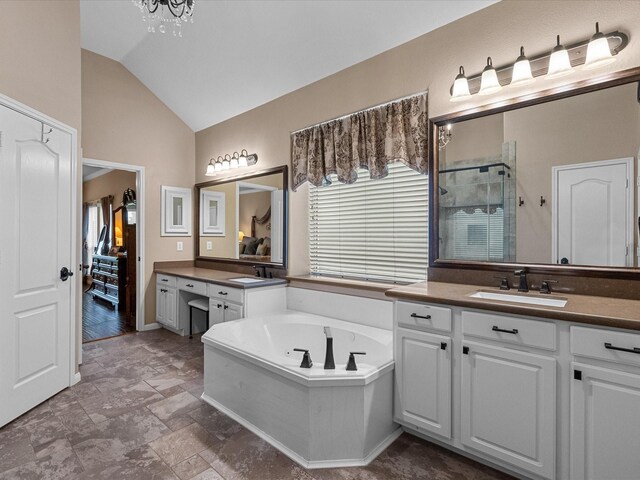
(137, 414)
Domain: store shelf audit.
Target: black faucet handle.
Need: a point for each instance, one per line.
(545, 286)
(519, 273)
(504, 283)
(351, 364)
(306, 358)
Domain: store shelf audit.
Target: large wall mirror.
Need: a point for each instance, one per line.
(244, 219)
(550, 181)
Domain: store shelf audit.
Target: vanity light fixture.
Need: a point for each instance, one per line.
(460, 87)
(598, 51)
(211, 169)
(229, 162)
(559, 63)
(444, 136)
(521, 70)
(489, 82)
(590, 53)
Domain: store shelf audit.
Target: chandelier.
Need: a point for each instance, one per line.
(160, 14)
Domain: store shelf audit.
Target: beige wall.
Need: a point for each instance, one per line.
(428, 62)
(113, 183)
(124, 122)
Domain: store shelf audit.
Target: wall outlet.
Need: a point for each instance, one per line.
(180, 246)
(209, 245)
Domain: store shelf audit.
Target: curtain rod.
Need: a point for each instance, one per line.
(362, 110)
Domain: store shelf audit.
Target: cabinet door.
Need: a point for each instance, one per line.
(171, 306)
(216, 307)
(232, 312)
(508, 406)
(161, 305)
(605, 421)
(423, 381)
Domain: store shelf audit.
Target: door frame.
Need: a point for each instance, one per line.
(74, 377)
(629, 163)
(140, 228)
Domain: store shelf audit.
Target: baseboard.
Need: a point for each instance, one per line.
(151, 326)
(309, 465)
(76, 378)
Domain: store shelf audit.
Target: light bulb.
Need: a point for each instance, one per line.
(489, 82)
(460, 90)
(521, 70)
(211, 169)
(598, 51)
(219, 164)
(233, 163)
(226, 162)
(242, 161)
(559, 63)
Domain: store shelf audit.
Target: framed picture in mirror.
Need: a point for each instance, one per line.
(212, 213)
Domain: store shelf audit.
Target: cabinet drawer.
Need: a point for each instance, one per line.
(188, 285)
(165, 280)
(416, 315)
(605, 345)
(226, 293)
(519, 331)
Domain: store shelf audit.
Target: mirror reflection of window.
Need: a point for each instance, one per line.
(213, 212)
(177, 211)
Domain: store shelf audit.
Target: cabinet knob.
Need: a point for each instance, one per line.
(226, 307)
(219, 305)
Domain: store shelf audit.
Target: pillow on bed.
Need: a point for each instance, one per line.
(242, 247)
(252, 247)
(262, 249)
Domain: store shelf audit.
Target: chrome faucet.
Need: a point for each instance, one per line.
(329, 363)
(523, 286)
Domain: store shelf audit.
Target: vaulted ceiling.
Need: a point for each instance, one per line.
(238, 55)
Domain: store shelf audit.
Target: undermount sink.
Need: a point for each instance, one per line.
(247, 280)
(514, 298)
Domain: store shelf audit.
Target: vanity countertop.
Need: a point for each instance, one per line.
(604, 311)
(218, 277)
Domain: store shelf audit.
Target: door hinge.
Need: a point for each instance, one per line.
(465, 350)
(577, 375)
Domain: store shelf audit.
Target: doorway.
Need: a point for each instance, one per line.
(112, 237)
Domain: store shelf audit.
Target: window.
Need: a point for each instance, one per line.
(96, 222)
(371, 229)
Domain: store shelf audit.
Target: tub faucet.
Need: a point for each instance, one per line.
(329, 363)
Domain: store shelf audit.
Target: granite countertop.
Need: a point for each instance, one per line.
(604, 311)
(218, 277)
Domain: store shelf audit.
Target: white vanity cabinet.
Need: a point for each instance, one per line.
(223, 311)
(508, 405)
(166, 301)
(605, 405)
(423, 367)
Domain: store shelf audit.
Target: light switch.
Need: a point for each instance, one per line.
(209, 245)
(180, 246)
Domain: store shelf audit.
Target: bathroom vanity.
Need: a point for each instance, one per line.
(231, 296)
(546, 392)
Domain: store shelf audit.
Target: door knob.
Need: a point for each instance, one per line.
(65, 273)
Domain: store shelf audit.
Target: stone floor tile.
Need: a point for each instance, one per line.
(178, 446)
(15, 448)
(56, 461)
(112, 404)
(46, 430)
(178, 423)
(209, 474)
(191, 467)
(215, 422)
(138, 464)
(174, 406)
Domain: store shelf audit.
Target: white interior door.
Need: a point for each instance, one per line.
(35, 244)
(277, 220)
(593, 209)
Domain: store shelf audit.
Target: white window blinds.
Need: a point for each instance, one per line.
(371, 229)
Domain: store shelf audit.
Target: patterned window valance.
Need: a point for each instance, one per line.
(370, 139)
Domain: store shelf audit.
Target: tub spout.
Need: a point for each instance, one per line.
(329, 363)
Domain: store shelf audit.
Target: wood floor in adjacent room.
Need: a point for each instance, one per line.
(137, 414)
(100, 320)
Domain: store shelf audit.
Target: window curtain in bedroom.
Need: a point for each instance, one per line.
(105, 205)
(369, 139)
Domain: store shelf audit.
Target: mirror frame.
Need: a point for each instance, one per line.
(577, 88)
(283, 169)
